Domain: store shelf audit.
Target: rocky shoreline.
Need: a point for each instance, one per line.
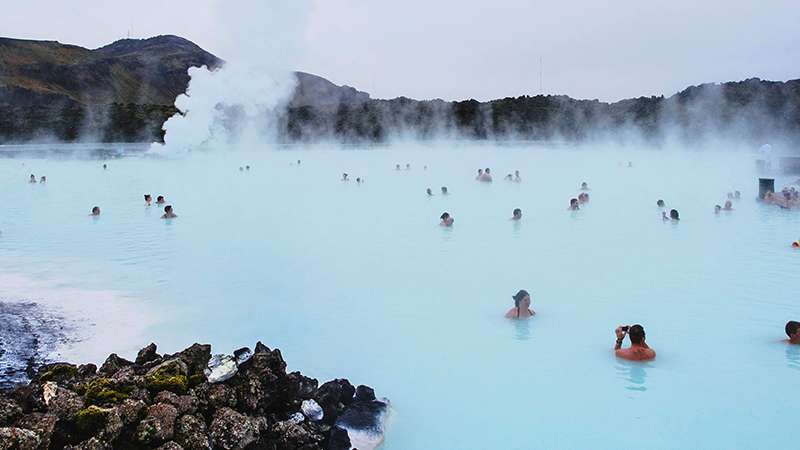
(191, 401)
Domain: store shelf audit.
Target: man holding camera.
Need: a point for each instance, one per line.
(638, 351)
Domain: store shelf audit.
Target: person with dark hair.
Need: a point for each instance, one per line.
(737, 194)
(573, 205)
(397, 167)
(522, 306)
(444, 190)
(792, 331)
(43, 180)
(430, 193)
(241, 169)
(638, 351)
(95, 211)
(246, 167)
(660, 203)
(105, 167)
(673, 215)
(581, 198)
(517, 178)
(447, 221)
(344, 177)
(480, 174)
(728, 206)
(168, 214)
(517, 214)
(508, 178)
(147, 199)
(408, 166)
(33, 179)
(730, 194)
(160, 200)
(486, 175)
(717, 209)
(584, 186)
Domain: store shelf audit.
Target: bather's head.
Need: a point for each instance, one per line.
(636, 333)
(521, 296)
(517, 212)
(660, 203)
(445, 216)
(792, 327)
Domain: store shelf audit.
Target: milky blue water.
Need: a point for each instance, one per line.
(359, 281)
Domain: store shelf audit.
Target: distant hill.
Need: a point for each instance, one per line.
(125, 91)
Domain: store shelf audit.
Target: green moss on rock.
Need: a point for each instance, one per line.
(58, 371)
(197, 379)
(92, 419)
(104, 391)
(168, 377)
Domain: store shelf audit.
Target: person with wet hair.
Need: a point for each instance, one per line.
(737, 195)
(241, 169)
(43, 180)
(444, 190)
(673, 215)
(730, 195)
(95, 211)
(581, 198)
(344, 177)
(480, 174)
(168, 214)
(33, 179)
(105, 167)
(487, 176)
(573, 205)
(408, 166)
(717, 208)
(147, 199)
(791, 329)
(728, 206)
(660, 203)
(522, 306)
(508, 178)
(638, 351)
(584, 186)
(447, 221)
(517, 214)
(430, 193)
(160, 200)
(517, 178)
(397, 168)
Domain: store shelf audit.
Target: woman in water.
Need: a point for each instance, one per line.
(447, 221)
(33, 179)
(430, 193)
(673, 215)
(168, 214)
(444, 190)
(517, 214)
(717, 208)
(160, 200)
(95, 211)
(522, 306)
(728, 206)
(147, 199)
(660, 203)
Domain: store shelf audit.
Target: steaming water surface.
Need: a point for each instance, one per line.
(359, 281)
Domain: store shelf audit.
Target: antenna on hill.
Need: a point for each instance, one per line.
(540, 76)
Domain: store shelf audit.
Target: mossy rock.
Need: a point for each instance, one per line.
(104, 391)
(59, 371)
(197, 379)
(170, 376)
(92, 419)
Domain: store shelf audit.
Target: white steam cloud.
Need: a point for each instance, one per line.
(239, 103)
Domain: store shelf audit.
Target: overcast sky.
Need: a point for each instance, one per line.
(456, 50)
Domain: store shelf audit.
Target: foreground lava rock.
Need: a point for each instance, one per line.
(167, 403)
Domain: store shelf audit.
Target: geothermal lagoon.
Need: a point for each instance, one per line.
(359, 281)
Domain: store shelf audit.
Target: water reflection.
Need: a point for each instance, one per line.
(522, 329)
(633, 373)
(517, 225)
(793, 356)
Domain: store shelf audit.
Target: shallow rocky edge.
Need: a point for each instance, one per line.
(189, 400)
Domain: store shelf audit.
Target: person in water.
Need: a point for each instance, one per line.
(673, 215)
(241, 169)
(573, 205)
(430, 193)
(517, 214)
(737, 194)
(487, 176)
(480, 174)
(584, 186)
(660, 203)
(105, 167)
(447, 221)
(728, 206)
(508, 178)
(33, 179)
(638, 351)
(581, 198)
(147, 199)
(43, 180)
(522, 306)
(246, 167)
(717, 208)
(160, 200)
(168, 214)
(358, 180)
(444, 191)
(344, 177)
(517, 179)
(95, 211)
(791, 331)
(408, 166)
(397, 167)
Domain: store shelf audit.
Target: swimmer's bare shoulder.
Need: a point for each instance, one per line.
(636, 354)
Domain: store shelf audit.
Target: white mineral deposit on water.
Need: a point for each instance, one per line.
(358, 281)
